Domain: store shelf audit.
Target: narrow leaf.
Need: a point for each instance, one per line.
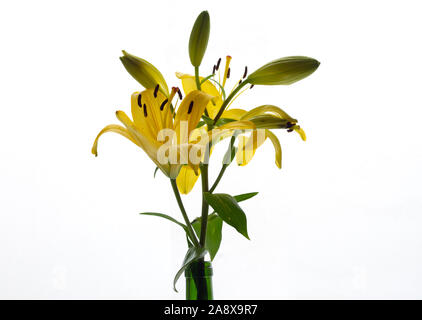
(155, 171)
(193, 254)
(245, 196)
(162, 215)
(227, 208)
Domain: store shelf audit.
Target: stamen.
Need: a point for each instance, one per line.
(179, 93)
(139, 101)
(145, 110)
(213, 69)
(190, 107)
(156, 90)
(246, 72)
(251, 86)
(163, 104)
(218, 64)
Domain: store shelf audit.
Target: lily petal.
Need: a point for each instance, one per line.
(247, 146)
(186, 179)
(189, 85)
(235, 114)
(268, 109)
(301, 132)
(190, 110)
(112, 128)
(277, 147)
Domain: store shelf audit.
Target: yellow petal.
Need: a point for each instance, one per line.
(235, 114)
(112, 128)
(277, 147)
(189, 85)
(267, 109)
(190, 110)
(301, 132)
(186, 179)
(149, 146)
(147, 114)
(247, 146)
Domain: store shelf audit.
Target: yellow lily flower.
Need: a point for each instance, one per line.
(151, 113)
(261, 116)
(264, 117)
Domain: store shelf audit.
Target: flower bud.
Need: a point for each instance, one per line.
(284, 71)
(144, 72)
(198, 40)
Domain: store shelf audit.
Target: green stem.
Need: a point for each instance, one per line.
(227, 157)
(204, 214)
(182, 209)
(198, 83)
(220, 175)
(226, 102)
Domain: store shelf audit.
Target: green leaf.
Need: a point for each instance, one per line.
(245, 196)
(193, 254)
(213, 235)
(162, 215)
(227, 208)
(155, 171)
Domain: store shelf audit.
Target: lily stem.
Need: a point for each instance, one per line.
(198, 83)
(220, 175)
(204, 214)
(226, 102)
(185, 216)
(227, 157)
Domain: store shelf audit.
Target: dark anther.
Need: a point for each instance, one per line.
(139, 101)
(179, 93)
(156, 90)
(228, 73)
(289, 130)
(190, 107)
(213, 69)
(240, 81)
(145, 110)
(289, 125)
(245, 73)
(218, 64)
(163, 104)
(251, 86)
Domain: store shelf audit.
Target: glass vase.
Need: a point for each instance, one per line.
(199, 281)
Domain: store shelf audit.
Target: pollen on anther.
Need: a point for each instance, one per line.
(213, 69)
(145, 110)
(252, 86)
(163, 104)
(156, 90)
(246, 72)
(190, 107)
(218, 64)
(228, 73)
(179, 93)
(139, 101)
(240, 81)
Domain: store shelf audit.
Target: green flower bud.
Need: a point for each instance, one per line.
(272, 122)
(198, 40)
(144, 72)
(284, 71)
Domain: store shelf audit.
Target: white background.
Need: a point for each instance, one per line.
(342, 219)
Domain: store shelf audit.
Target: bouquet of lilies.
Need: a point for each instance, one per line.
(179, 133)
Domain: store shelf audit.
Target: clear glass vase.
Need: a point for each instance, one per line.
(199, 281)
